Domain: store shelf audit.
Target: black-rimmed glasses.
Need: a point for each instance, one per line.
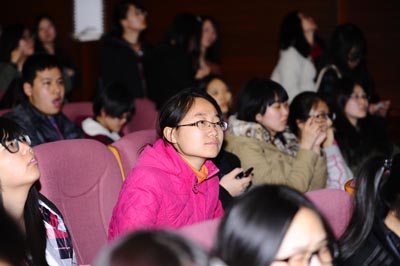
(326, 255)
(204, 124)
(13, 145)
(324, 116)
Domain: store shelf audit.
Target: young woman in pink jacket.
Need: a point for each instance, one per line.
(173, 182)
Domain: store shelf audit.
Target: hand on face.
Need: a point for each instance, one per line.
(313, 135)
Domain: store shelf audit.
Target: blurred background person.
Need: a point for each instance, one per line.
(295, 70)
(207, 50)
(170, 66)
(47, 40)
(122, 56)
(275, 225)
(16, 45)
(309, 104)
(373, 235)
(347, 57)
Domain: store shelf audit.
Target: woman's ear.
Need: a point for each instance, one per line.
(300, 124)
(259, 117)
(169, 134)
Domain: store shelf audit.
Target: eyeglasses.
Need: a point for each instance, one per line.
(325, 254)
(324, 116)
(204, 124)
(13, 145)
(359, 96)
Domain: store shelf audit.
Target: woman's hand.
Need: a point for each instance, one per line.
(379, 108)
(329, 137)
(312, 135)
(234, 186)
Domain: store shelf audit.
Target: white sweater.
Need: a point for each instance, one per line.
(294, 72)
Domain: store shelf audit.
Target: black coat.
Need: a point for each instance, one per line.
(38, 125)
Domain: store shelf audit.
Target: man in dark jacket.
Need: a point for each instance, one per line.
(40, 114)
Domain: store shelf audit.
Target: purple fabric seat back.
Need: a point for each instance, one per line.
(203, 233)
(82, 178)
(77, 111)
(130, 146)
(335, 205)
(145, 117)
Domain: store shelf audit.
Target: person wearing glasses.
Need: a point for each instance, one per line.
(373, 235)
(358, 134)
(46, 237)
(309, 105)
(346, 57)
(174, 182)
(278, 226)
(259, 136)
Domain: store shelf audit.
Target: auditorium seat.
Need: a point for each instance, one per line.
(82, 178)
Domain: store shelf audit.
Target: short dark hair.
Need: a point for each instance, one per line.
(253, 229)
(178, 106)
(291, 34)
(36, 63)
(256, 96)
(300, 108)
(115, 99)
(156, 248)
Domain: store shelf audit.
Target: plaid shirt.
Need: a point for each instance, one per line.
(59, 249)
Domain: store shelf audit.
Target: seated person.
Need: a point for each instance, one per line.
(12, 243)
(259, 136)
(40, 114)
(275, 225)
(373, 235)
(112, 108)
(308, 104)
(46, 236)
(174, 183)
(227, 162)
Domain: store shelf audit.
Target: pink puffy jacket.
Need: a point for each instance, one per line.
(162, 192)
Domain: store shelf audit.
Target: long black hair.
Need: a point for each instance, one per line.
(356, 143)
(253, 229)
(377, 191)
(35, 237)
(291, 34)
(213, 52)
(38, 43)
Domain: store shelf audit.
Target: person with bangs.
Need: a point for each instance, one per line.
(258, 134)
(112, 108)
(174, 182)
(46, 238)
